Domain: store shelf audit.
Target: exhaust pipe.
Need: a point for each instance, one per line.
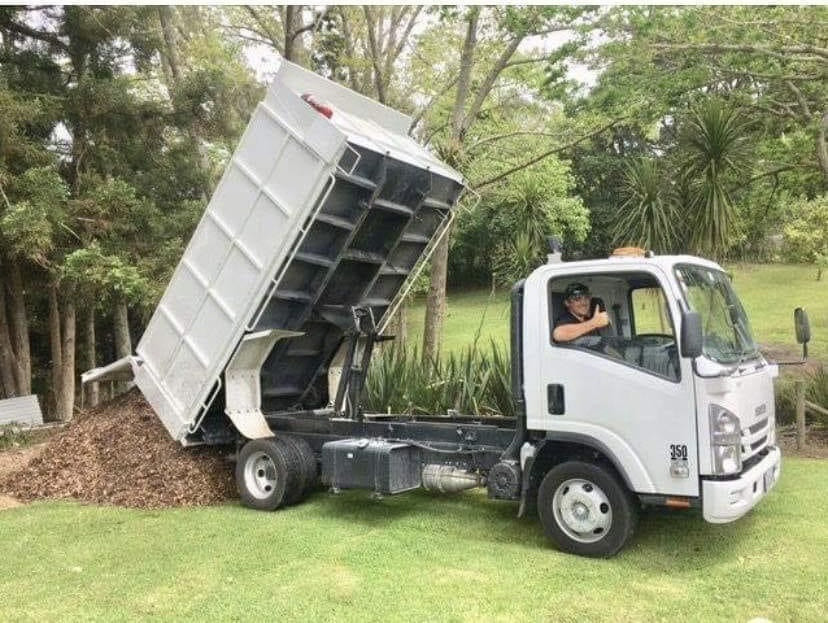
(449, 479)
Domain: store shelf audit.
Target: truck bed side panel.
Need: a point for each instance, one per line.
(280, 170)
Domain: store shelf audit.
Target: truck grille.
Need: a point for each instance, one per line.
(754, 439)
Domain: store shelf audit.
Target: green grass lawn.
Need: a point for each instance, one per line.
(768, 292)
(415, 557)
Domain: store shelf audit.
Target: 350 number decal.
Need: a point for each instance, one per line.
(678, 452)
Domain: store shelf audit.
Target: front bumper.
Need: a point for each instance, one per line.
(727, 500)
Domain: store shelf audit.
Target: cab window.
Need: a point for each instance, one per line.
(640, 332)
(650, 313)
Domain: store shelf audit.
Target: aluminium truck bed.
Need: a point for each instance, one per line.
(313, 215)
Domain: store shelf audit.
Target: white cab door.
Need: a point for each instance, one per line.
(647, 421)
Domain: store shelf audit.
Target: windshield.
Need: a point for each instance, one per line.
(727, 334)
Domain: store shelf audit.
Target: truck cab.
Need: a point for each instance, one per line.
(667, 422)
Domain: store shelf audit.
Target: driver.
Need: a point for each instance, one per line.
(575, 322)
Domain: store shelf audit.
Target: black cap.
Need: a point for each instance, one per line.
(575, 289)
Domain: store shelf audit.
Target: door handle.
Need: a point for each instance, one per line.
(555, 399)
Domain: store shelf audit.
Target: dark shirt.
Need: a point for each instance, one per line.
(566, 317)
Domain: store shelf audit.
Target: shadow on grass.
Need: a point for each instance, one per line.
(466, 515)
(679, 542)
(666, 540)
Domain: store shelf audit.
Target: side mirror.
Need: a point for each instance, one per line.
(803, 327)
(691, 334)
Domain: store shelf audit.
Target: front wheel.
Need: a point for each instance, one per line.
(586, 510)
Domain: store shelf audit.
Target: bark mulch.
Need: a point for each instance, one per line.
(120, 454)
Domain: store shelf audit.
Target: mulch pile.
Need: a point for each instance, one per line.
(120, 454)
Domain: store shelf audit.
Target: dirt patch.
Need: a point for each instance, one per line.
(777, 352)
(816, 446)
(119, 454)
(6, 501)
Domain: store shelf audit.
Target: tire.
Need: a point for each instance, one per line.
(586, 510)
(305, 467)
(266, 471)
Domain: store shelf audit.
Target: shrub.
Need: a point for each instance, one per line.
(12, 436)
(816, 391)
(471, 382)
(805, 236)
(785, 400)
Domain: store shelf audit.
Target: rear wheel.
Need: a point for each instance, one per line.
(586, 510)
(266, 471)
(305, 463)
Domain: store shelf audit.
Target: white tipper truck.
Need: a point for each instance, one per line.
(325, 212)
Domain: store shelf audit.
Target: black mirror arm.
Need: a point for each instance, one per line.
(803, 361)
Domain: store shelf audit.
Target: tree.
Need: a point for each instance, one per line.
(775, 54)
(715, 152)
(769, 60)
(659, 63)
(805, 235)
(17, 153)
(282, 28)
(35, 225)
(139, 107)
(648, 215)
(504, 237)
(489, 51)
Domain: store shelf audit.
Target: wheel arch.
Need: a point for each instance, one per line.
(564, 446)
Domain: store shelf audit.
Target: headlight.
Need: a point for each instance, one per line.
(725, 440)
(724, 427)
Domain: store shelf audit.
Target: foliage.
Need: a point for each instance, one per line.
(805, 234)
(12, 437)
(816, 391)
(505, 236)
(116, 122)
(649, 215)
(715, 150)
(103, 279)
(658, 64)
(36, 214)
(469, 382)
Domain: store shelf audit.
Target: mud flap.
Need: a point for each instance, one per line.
(243, 393)
(528, 494)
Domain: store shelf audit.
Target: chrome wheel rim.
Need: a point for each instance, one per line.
(260, 475)
(582, 510)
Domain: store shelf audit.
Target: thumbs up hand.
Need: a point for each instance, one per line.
(600, 319)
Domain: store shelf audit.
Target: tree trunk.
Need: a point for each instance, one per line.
(436, 301)
(170, 57)
(66, 397)
(19, 329)
(291, 13)
(123, 343)
(55, 343)
(822, 148)
(92, 390)
(8, 364)
(398, 326)
(464, 78)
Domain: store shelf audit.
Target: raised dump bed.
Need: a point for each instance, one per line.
(326, 205)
